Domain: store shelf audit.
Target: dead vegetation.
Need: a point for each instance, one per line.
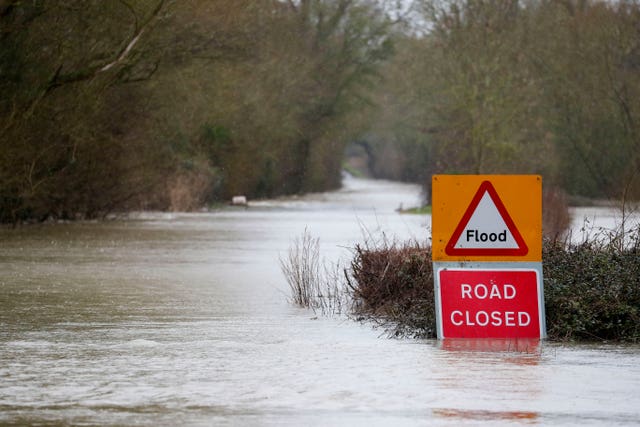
(314, 284)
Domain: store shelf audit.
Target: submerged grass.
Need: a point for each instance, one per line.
(312, 283)
(592, 289)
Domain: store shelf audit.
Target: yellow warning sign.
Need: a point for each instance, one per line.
(487, 217)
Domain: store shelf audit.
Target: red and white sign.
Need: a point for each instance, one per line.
(486, 303)
(486, 228)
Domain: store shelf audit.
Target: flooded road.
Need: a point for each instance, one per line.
(183, 320)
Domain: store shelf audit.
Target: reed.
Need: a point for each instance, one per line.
(313, 283)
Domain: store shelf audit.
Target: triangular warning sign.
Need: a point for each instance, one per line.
(486, 228)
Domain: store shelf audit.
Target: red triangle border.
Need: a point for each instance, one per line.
(522, 248)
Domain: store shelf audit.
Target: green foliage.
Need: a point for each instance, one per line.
(216, 143)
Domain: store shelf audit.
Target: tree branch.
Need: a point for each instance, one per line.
(137, 34)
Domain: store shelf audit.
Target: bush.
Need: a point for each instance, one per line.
(592, 290)
(189, 188)
(393, 286)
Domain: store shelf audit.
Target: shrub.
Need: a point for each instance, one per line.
(592, 291)
(393, 286)
(189, 188)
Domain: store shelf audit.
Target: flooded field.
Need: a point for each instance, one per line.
(183, 319)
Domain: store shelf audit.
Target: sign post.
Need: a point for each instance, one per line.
(487, 256)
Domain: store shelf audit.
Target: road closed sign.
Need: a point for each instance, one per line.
(487, 256)
(489, 303)
(487, 217)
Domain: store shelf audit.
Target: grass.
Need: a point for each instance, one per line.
(423, 210)
(353, 171)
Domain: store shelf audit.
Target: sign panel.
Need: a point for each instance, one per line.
(489, 303)
(487, 217)
(486, 228)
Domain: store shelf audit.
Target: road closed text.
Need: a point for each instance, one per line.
(489, 304)
(494, 318)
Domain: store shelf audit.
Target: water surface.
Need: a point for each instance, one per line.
(183, 319)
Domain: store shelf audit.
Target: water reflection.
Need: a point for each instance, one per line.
(480, 415)
(524, 346)
(493, 379)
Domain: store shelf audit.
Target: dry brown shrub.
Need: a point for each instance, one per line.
(556, 218)
(188, 189)
(393, 285)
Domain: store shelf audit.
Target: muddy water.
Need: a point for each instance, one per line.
(183, 320)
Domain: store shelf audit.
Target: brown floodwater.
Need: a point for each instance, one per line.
(183, 319)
